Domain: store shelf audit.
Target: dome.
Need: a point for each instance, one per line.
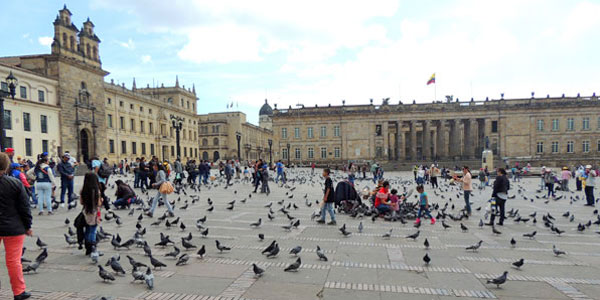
(266, 110)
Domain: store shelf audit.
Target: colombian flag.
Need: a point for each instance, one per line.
(431, 80)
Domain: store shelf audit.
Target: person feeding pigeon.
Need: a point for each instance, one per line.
(125, 195)
(328, 199)
(15, 223)
(500, 194)
(91, 200)
(467, 187)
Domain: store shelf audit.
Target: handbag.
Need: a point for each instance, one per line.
(166, 188)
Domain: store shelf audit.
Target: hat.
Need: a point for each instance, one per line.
(45, 154)
(9, 150)
(588, 166)
(67, 154)
(548, 170)
(565, 168)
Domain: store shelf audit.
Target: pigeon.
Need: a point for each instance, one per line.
(519, 263)
(320, 254)
(273, 251)
(149, 278)
(426, 244)
(446, 226)
(105, 275)
(293, 267)
(156, 263)
(360, 227)
(31, 267)
(344, 232)
(173, 253)
(499, 280)
(475, 246)
(187, 245)
(388, 234)
(70, 241)
(204, 233)
(220, 247)
(513, 243)
(182, 226)
(495, 231)
(413, 236)
(183, 259)
(67, 221)
(258, 272)
(269, 248)
(42, 256)
(261, 237)
(463, 227)
(530, 235)
(116, 266)
(202, 251)
(257, 223)
(41, 244)
(137, 275)
(296, 250)
(134, 263)
(128, 243)
(189, 237)
(426, 259)
(480, 223)
(147, 249)
(557, 252)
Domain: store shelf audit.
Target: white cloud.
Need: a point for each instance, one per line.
(146, 59)
(127, 45)
(45, 40)
(221, 44)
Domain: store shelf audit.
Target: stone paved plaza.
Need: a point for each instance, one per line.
(361, 266)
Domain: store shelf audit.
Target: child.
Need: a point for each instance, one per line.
(328, 200)
(423, 205)
(264, 175)
(394, 201)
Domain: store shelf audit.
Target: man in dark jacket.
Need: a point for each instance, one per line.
(125, 195)
(67, 173)
(500, 194)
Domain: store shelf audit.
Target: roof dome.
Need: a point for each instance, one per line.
(266, 109)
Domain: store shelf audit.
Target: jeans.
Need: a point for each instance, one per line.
(542, 183)
(34, 198)
(44, 190)
(13, 248)
(136, 179)
(578, 184)
(279, 175)
(423, 210)
(143, 181)
(434, 183)
(123, 202)
(374, 177)
(90, 233)
(564, 185)
(66, 185)
(589, 195)
(155, 202)
(467, 202)
(351, 178)
(328, 207)
(383, 208)
(550, 187)
(500, 204)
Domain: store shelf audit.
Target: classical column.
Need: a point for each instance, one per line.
(426, 140)
(441, 146)
(456, 147)
(413, 140)
(472, 140)
(401, 144)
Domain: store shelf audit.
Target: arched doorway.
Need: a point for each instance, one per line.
(204, 155)
(85, 145)
(216, 156)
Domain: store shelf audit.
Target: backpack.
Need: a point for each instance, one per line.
(104, 171)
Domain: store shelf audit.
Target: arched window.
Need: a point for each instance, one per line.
(72, 43)
(95, 52)
(216, 141)
(204, 155)
(64, 43)
(87, 50)
(216, 156)
(204, 142)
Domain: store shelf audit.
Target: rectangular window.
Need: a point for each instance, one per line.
(122, 123)
(323, 152)
(142, 126)
(7, 120)
(336, 131)
(151, 128)
(133, 148)
(598, 122)
(284, 153)
(123, 147)
(28, 150)
(184, 151)
(172, 150)
(23, 92)
(132, 124)
(311, 152)
(109, 121)
(598, 146)
(323, 131)
(310, 133)
(111, 146)
(44, 123)
(284, 133)
(297, 153)
(41, 96)
(336, 152)
(585, 147)
(151, 149)
(108, 100)
(554, 147)
(26, 121)
(585, 125)
(143, 148)
(570, 124)
(540, 125)
(44, 145)
(378, 130)
(494, 126)
(4, 86)
(141, 109)
(555, 125)
(8, 141)
(570, 147)
(121, 103)
(297, 133)
(539, 147)
(131, 106)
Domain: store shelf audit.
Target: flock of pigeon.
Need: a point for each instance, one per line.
(180, 251)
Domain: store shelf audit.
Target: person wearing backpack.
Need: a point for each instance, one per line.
(103, 172)
(44, 182)
(67, 173)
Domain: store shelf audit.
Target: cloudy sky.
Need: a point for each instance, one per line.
(320, 52)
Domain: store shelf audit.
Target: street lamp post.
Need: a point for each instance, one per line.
(178, 125)
(238, 137)
(288, 153)
(12, 82)
(270, 152)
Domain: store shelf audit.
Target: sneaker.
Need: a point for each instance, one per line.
(22, 296)
(432, 221)
(332, 223)
(171, 214)
(50, 213)
(62, 204)
(417, 221)
(41, 213)
(321, 221)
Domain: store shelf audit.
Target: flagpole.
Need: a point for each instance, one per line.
(434, 91)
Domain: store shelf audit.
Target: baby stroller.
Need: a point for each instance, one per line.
(346, 198)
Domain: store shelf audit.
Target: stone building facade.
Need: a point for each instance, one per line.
(218, 137)
(537, 130)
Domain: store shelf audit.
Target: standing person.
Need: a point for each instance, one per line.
(420, 175)
(257, 172)
(364, 171)
(423, 205)
(279, 168)
(482, 179)
(500, 194)
(136, 172)
(578, 176)
(67, 173)
(312, 168)
(542, 181)
(161, 177)
(590, 182)
(549, 181)
(103, 172)
(351, 173)
(435, 172)
(265, 180)
(44, 182)
(91, 201)
(415, 170)
(178, 168)
(15, 223)
(228, 171)
(328, 199)
(565, 175)
(467, 187)
(374, 171)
